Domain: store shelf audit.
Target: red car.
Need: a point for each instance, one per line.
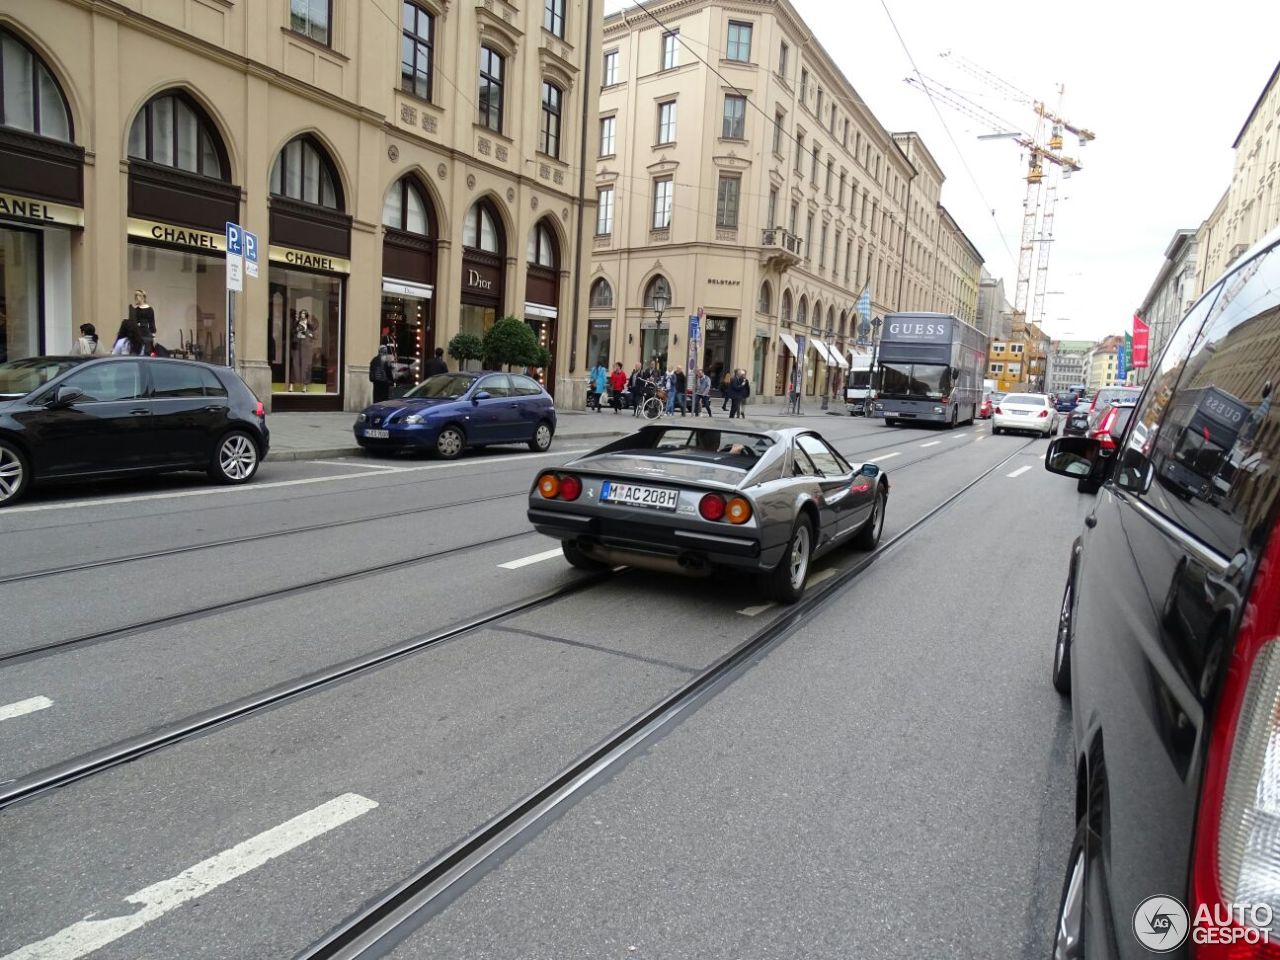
(984, 410)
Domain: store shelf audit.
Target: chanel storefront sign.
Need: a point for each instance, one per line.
(176, 235)
(14, 207)
(308, 260)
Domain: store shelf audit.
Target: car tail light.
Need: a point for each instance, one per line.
(999, 411)
(711, 507)
(1044, 413)
(1103, 431)
(570, 487)
(259, 410)
(549, 486)
(738, 510)
(1237, 846)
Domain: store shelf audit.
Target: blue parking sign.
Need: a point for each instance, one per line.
(235, 239)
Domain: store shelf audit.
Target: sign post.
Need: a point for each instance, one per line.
(691, 360)
(797, 375)
(235, 282)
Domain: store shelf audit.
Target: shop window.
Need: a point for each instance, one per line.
(20, 320)
(32, 100)
(188, 293)
(303, 171)
(417, 50)
(491, 81)
(304, 336)
(311, 18)
(173, 131)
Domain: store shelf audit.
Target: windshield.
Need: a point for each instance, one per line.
(443, 386)
(931, 380)
(860, 378)
(20, 377)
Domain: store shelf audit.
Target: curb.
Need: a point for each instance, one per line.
(285, 456)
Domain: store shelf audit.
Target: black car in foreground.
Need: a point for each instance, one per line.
(87, 417)
(1169, 645)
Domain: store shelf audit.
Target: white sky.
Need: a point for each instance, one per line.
(1165, 86)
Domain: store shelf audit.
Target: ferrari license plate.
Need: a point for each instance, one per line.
(634, 495)
(378, 434)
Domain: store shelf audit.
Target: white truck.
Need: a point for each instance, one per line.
(858, 389)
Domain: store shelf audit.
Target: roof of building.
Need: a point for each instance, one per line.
(1254, 112)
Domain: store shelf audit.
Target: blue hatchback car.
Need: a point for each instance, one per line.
(452, 411)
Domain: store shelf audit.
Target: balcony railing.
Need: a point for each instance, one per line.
(781, 244)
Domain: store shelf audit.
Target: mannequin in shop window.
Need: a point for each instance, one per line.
(144, 318)
(304, 343)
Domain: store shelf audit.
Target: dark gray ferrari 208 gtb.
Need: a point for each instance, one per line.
(690, 499)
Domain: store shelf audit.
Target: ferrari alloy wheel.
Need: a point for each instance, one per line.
(236, 460)
(449, 443)
(786, 582)
(869, 536)
(14, 474)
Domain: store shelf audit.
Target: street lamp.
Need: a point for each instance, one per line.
(660, 304)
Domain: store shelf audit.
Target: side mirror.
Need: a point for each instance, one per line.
(65, 396)
(482, 395)
(870, 470)
(1072, 456)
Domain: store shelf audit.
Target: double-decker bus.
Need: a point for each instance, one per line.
(931, 368)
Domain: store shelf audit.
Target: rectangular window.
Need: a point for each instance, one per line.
(416, 40)
(799, 151)
(667, 122)
(840, 203)
(739, 42)
(311, 19)
(830, 173)
(727, 202)
(490, 102)
(813, 166)
(784, 52)
(607, 128)
(818, 111)
(822, 249)
(670, 50)
(304, 342)
(777, 133)
(848, 259)
(804, 85)
(604, 211)
(553, 17)
(735, 118)
(997, 368)
(771, 215)
(844, 137)
(610, 68)
(795, 214)
(662, 195)
(549, 128)
(808, 237)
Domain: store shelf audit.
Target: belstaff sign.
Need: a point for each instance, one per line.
(176, 235)
(13, 207)
(308, 260)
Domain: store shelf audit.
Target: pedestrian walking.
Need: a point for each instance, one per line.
(702, 394)
(596, 386)
(738, 392)
(617, 384)
(128, 340)
(670, 384)
(380, 375)
(636, 385)
(681, 385)
(725, 378)
(436, 364)
(88, 345)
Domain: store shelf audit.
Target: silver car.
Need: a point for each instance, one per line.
(688, 500)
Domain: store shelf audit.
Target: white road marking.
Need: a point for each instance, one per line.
(931, 443)
(983, 437)
(821, 576)
(158, 899)
(248, 487)
(23, 707)
(1019, 472)
(886, 456)
(961, 435)
(536, 558)
(354, 463)
(756, 610)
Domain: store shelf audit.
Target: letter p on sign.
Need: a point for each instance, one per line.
(235, 240)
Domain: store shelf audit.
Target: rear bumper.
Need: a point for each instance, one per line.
(1026, 424)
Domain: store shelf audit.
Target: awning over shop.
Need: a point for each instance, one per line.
(824, 351)
(841, 359)
(790, 343)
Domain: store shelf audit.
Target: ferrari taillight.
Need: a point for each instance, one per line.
(549, 486)
(712, 507)
(737, 510)
(570, 487)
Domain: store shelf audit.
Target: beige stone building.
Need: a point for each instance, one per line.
(410, 170)
(741, 178)
(1250, 208)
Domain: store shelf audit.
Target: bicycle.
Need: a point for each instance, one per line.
(655, 405)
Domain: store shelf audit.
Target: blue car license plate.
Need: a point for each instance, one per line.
(635, 495)
(378, 434)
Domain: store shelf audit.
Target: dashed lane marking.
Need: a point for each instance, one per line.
(756, 610)
(23, 707)
(536, 558)
(1019, 472)
(153, 902)
(931, 443)
(355, 463)
(814, 579)
(886, 456)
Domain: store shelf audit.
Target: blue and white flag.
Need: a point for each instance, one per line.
(864, 303)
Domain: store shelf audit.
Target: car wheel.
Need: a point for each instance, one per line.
(786, 582)
(1068, 935)
(450, 443)
(577, 558)
(15, 474)
(996, 431)
(1062, 646)
(541, 441)
(869, 536)
(890, 423)
(236, 458)
(955, 413)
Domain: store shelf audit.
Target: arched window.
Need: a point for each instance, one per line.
(32, 99)
(844, 323)
(407, 208)
(480, 229)
(542, 247)
(802, 314)
(785, 315)
(658, 287)
(173, 131)
(766, 298)
(303, 171)
(831, 319)
(601, 293)
(817, 314)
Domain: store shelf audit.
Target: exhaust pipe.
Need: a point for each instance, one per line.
(685, 565)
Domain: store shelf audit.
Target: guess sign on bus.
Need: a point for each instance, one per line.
(909, 328)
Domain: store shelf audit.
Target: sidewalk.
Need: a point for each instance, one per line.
(313, 436)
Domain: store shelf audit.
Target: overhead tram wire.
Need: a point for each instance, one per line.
(950, 136)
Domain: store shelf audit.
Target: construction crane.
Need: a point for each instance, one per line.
(1041, 149)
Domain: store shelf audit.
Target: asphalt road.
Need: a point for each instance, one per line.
(891, 780)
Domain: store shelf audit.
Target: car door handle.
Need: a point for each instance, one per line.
(215, 407)
(139, 413)
(1091, 521)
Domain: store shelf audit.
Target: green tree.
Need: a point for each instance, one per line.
(466, 346)
(511, 342)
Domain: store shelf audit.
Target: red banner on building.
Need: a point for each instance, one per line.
(1141, 342)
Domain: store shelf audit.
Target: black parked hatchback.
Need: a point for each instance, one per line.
(80, 417)
(1169, 644)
